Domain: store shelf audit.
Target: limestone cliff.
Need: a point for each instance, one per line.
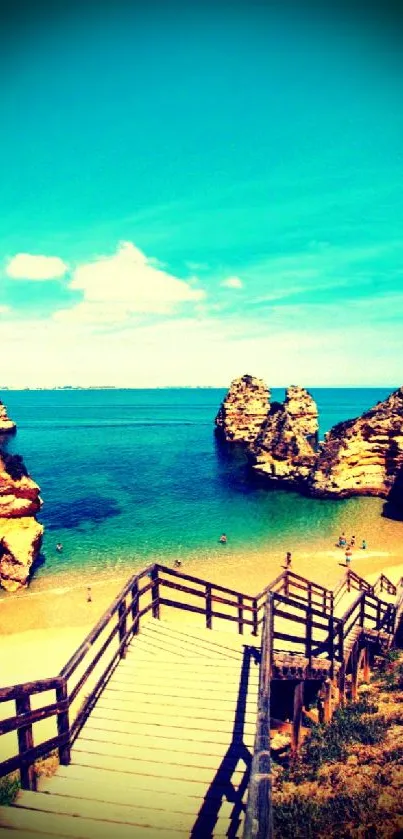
(20, 541)
(243, 410)
(362, 456)
(20, 533)
(7, 426)
(284, 450)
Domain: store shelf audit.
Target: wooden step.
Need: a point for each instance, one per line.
(118, 709)
(154, 643)
(148, 675)
(156, 755)
(105, 811)
(59, 825)
(188, 695)
(176, 743)
(88, 775)
(148, 767)
(108, 722)
(190, 641)
(101, 790)
(126, 701)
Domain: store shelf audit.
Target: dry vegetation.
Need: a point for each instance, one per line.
(348, 780)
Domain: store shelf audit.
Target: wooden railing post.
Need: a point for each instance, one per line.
(297, 714)
(378, 616)
(341, 643)
(135, 607)
(63, 726)
(286, 584)
(240, 614)
(308, 637)
(155, 592)
(255, 618)
(122, 626)
(258, 822)
(362, 609)
(25, 742)
(309, 594)
(331, 645)
(209, 606)
(348, 581)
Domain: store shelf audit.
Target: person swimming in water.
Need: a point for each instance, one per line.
(59, 547)
(223, 539)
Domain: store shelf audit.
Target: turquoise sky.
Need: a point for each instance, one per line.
(190, 196)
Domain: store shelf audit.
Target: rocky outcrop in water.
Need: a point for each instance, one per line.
(284, 450)
(7, 426)
(20, 533)
(243, 410)
(362, 456)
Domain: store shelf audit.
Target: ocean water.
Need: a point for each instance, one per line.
(131, 475)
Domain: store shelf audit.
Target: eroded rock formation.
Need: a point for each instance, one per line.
(284, 450)
(7, 426)
(362, 456)
(20, 533)
(243, 410)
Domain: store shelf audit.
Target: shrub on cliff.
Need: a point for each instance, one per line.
(14, 466)
(328, 743)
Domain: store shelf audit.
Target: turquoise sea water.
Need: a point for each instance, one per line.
(129, 475)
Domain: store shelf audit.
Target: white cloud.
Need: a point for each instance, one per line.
(28, 266)
(127, 283)
(232, 282)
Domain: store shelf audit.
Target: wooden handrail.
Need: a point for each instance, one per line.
(180, 574)
(258, 816)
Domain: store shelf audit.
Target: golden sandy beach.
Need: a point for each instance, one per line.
(42, 626)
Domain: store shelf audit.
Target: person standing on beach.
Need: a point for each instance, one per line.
(89, 597)
(348, 556)
(364, 545)
(287, 560)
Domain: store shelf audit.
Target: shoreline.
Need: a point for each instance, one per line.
(31, 651)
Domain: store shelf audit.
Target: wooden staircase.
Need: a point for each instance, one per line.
(166, 751)
(163, 728)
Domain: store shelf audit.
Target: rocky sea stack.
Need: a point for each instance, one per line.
(284, 449)
(362, 456)
(20, 533)
(243, 410)
(7, 426)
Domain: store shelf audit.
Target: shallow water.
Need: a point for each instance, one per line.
(128, 476)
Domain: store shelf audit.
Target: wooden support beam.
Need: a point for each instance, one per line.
(296, 720)
(209, 606)
(25, 742)
(240, 614)
(367, 669)
(255, 617)
(327, 705)
(135, 607)
(63, 724)
(122, 616)
(155, 592)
